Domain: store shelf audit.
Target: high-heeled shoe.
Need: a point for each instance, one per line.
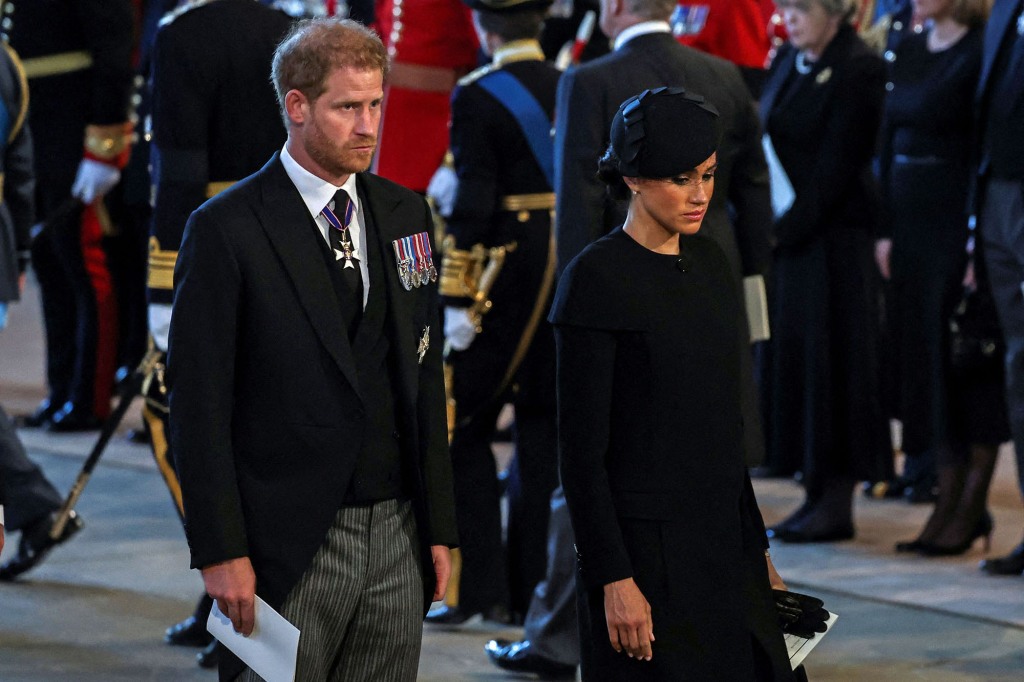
(982, 529)
(910, 546)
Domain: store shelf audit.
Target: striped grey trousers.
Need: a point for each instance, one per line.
(359, 605)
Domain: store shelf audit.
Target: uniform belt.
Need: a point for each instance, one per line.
(56, 64)
(544, 201)
(215, 188)
(423, 78)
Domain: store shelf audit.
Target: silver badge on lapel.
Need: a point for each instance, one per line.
(414, 260)
(421, 349)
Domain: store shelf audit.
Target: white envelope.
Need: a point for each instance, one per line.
(272, 648)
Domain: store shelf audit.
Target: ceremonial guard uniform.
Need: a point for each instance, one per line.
(431, 44)
(77, 55)
(731, 29)
(215, 121)
(498, 272)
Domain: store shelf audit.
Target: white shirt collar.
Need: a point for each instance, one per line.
(316, 192)
(643, 28)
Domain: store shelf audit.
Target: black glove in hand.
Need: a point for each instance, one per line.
(799, 614)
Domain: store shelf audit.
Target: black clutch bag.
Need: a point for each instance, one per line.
(975, 339)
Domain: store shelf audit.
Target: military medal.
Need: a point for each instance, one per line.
(421, 349)
(414, 260)
(344, 238)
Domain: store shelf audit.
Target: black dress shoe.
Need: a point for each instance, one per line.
(806, 533)
(71, 417)
(519, 657)
(36, 543)
(137, 436)
(42, 415)
(189, 632)
(210, 656)
(1011, 564)
(452, 616)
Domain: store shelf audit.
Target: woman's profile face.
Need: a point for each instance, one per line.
(808, 24)
(676, 204)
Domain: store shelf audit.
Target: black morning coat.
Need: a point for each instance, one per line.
(266, 416)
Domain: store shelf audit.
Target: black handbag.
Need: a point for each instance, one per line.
(975, 339)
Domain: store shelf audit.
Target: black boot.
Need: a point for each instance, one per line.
(827, 519)
(36, 543)
(210, 656)
(192, 631)
(1011, 564)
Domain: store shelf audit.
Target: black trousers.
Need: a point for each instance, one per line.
(26, 493)
(79, 311)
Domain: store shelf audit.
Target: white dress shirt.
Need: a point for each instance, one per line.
(317, 193)
(643, 28)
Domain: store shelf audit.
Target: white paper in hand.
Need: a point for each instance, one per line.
(270, 650)
(781, 188)
(799, 647)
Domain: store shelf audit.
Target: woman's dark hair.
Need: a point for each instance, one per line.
(608, 173)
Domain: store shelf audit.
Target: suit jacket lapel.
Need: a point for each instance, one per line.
(286, 222)
(995, 32)
(381, 207)
(774, 85)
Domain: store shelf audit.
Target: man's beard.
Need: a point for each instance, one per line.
(340, 160)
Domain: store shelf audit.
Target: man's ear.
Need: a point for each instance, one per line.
(296, 105)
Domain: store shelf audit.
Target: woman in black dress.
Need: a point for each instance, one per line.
(953, 420)
(668, 533)
(822, 109)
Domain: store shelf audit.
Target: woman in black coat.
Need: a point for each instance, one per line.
(821, 108)
(668, 533)
(953, 421)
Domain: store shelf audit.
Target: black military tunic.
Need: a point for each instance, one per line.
(215, 114)
(500, 201)
(77, 55)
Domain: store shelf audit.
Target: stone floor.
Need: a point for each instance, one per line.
(96, 609)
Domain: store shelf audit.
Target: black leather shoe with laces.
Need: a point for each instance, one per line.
(519, 657)
(36, 543)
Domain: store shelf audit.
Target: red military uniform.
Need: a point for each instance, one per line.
(736, 30)
(432, 44)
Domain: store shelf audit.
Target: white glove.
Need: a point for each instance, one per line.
(458, 328)
(442, 189)
(93, 180)
(159, 323)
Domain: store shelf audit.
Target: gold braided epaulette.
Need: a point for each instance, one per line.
(161, 266)
(476, 74)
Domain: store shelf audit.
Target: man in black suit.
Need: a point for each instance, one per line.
(307, 400)
(1000, 107)
(645, 55)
